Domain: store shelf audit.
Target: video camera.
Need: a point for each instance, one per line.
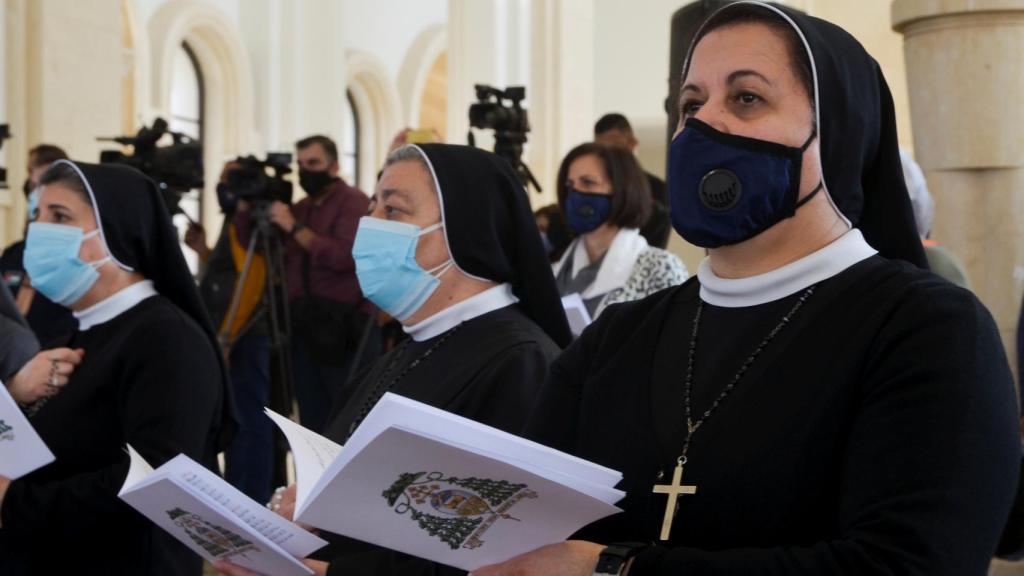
(261, 181)
(176, 168)
(510, 123)
(5, 133)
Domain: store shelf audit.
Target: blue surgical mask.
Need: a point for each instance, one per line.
(585, 212)
(390, 277)
(724, 189)
(53, 264)
(33, 203)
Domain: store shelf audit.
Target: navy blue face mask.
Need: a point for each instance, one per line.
(585, 212)
(724, 189)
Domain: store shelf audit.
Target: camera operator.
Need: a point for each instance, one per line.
(328, 311)
(248, 461)
(50, 323)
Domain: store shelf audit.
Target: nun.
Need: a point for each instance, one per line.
(452, 251)
(150, 376)
(814, 401)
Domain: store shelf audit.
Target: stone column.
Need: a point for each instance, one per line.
(965, 71)
(62, 85)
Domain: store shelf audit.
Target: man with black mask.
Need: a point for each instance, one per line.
(328, 311)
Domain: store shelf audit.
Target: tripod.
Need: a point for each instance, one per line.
(266, 240)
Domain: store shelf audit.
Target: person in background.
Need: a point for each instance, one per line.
(604, 198)
(553, 231)
(249, 461)
(329, 315)
(50, 322)
(940, 260)
(615, 130)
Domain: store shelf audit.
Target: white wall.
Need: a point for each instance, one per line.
(631, 58)
(387, 28)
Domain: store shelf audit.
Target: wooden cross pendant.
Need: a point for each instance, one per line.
(674, 490)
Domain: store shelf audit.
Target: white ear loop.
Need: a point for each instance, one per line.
(443, 267)
(102, 261)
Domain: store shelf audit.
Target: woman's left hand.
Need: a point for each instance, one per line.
(229, 569)
(572, 558)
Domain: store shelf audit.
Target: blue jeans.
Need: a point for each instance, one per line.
(249, 461)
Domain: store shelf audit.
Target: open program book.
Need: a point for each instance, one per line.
(214, 519)
(428, 483)
(21, 448)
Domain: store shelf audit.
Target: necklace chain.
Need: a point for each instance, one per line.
(383, 385)
(693, 425)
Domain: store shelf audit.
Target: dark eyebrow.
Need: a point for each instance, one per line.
(389, 192)
(690, 88)
(741, 73)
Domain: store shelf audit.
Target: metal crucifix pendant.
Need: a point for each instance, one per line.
(673, 490)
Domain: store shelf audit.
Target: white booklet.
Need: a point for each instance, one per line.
(428, 483)
(215, 519)
(576, 313)
(21, 448)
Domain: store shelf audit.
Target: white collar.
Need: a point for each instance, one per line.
(114, 305)
(487, 301)
(616, 266)
(847, 250)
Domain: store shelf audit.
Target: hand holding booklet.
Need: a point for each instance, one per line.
(431, 484)
(214, 519)
(21, 448)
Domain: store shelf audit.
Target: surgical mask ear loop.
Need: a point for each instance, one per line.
(821, 183)
(102, 261)
(443, 267)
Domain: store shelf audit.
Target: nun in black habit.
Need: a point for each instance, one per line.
(151, 376)
(813, 402)
(480, 344)
(481, 337)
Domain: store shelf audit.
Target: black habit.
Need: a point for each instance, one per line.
(151, 377)
(490, 367)
(875, 435)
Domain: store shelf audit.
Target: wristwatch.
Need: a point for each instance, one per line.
(615, 557)
(295, 228)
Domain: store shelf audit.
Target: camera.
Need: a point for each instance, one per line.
(176, 168)
(261, 181)
(502, 111)
(5, 133)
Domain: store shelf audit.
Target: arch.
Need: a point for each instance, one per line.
(378, 108)
(228, 89)
(419, 59)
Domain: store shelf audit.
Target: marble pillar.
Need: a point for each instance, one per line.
(965, 72)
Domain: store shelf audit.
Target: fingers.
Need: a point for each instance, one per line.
(73, 357)
(287, 511)
(319, 568)
(229, 569)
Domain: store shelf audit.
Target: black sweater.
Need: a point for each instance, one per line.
(876, 435)
(149, 378)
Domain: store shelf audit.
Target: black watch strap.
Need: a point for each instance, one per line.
(615, 556)
(296, 227)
